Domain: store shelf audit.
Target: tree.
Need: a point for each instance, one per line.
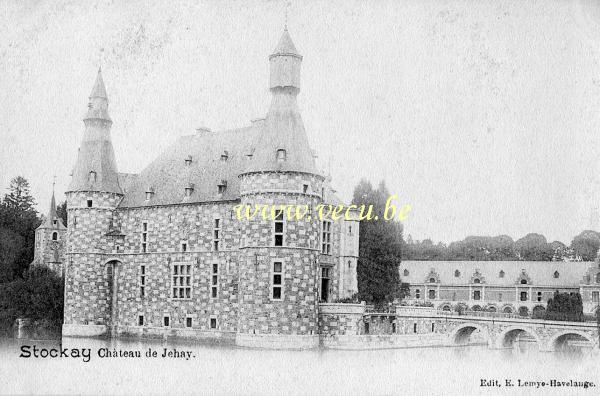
(586, 244)
(18, 221)
(565, 306)
(380, 248)
(534, 247)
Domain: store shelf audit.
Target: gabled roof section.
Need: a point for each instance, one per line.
(197, 159)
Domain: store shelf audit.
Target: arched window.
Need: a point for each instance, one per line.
(431, 280)
(406, 273)
(476, 280)
(556, 274)
(456, 273)
(523, 281)
(92, 177)
(501, 274)
(55, 236)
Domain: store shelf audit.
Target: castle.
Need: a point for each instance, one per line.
(163, 253)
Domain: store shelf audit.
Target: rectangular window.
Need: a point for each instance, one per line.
(141, 320)
(476, 295)
(142, 281)
(184, 246)
(213, 323)
(277, 281)
(166, 321)
(499, 296)
(89, 203)
(217, 234)
(188, 322)
(595, 296)
(182, 281)
(214, 281)
(523, 296)
(144, 237)
(326, 237)
(417, 293)
(539, 296)
(278, 228)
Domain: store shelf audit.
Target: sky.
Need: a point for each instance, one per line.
(483, 116)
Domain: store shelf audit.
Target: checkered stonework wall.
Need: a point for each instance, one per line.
(293, 309)
(230, 282)
(49, 251)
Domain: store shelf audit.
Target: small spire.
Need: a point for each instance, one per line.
(99, 91)
(287, 4)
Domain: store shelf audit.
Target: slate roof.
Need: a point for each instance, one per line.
(52, 215)
(168, 175)
(286, 46)
(541, 273)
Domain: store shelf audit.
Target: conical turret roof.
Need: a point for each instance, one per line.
(52, 216)
(286, 45)
(99, 90)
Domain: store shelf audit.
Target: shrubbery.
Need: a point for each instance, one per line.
(37, 296)
(565, 306)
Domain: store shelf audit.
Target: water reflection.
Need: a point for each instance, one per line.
(229, 370)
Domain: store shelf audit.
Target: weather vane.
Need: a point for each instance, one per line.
(287, 5)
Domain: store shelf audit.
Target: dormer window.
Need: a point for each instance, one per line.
(225, 155)
(54, 222)
(188, 160)
(92, 177)
(476, 280)
(281, 155)
(189, 189)
(149, 193)
(222, 186)
(431, 280)
(523, 281)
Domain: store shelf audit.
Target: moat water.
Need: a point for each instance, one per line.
(214, 369)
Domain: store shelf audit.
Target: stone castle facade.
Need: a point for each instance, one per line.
(162, 252)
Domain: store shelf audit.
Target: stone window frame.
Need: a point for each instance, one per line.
(142, 280)
(539, 296)
(168, 317)
(191, 321)
(217, 233)
(215, 276)
(429, 293)
(144, 236)
(326, 237)
(210, 322)
(141, 319)
(277, 220)
(54, 236)
(90, 203)
(478, 294)
(595, 296)
(181, 281)
(418, 293)
(272, 284)
(183, 246)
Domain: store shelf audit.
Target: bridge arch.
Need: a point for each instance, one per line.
(507, 337)
(461, 334)
(559, 340)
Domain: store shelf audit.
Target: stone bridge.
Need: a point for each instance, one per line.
(499, 332)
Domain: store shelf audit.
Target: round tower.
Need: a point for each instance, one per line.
(278, 286)
(92, 197)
